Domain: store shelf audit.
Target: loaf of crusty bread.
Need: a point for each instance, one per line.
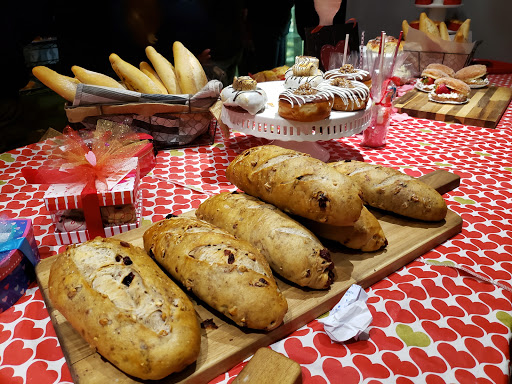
(228, 274)
(65, 86)
(125, 306)
(365, 234)
(391, 190)
(292, 251)
(296, 183)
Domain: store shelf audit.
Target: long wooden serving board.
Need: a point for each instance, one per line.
(484, 109)
(224, 347)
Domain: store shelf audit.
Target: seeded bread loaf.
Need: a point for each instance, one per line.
(391, 190)
(228, 274)
(292, 251)
(125, 306)
(296, 183)
(365, 234)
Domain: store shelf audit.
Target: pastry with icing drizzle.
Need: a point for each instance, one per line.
(244, 95)
(305, 70)
(305, 103)
(348, 95)
(348, 72)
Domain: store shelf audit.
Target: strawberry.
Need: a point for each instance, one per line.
(442, 89)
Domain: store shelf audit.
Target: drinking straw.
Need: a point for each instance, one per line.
(361, 48)
(392, 69)
(380, 51)
(346, 47)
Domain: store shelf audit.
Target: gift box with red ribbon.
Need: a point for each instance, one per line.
(18, 257)
(93, 183)
(75, 214)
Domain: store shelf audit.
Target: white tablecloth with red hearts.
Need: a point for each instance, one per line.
(446, 317)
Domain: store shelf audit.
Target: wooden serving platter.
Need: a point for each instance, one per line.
(224, 347)
(484, 109)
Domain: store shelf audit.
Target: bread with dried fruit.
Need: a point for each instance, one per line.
(125, 307)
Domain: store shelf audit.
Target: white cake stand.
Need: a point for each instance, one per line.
(296, 135)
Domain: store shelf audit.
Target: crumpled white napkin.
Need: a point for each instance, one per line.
(350, 317)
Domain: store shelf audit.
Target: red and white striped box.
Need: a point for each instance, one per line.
(74, 237)
(66, 197)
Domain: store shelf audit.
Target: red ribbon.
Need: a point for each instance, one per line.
(68, 164)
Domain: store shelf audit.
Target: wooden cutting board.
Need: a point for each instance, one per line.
(226, 346)
(484, 109)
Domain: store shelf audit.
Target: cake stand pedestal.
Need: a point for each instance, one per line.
(300, 136)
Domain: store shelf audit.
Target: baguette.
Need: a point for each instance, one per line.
(292, 251)
(296, 183)
(94, 78)
(132, 77)
(462, 34)
(443, 31)
(405, 28)
(391, 190)
(65, 86)
(151, 73)
(165, 70)
(365, 235)
(122, 304)
(428, 26)
(189, 71)
(228, 274)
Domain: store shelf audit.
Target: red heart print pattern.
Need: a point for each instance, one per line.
(434, 290)
(326, 347)
(495, 303)
(463, 329)
(455, 289)
(36, 310)
(455, 358)
(297, 352)
(434, 379)
(380, 319)
(398, 314)
(390, 294)
(413, 292)
(496, 374)
(38, 372)
(16, 354)
(423, 313)
(483, 354)
(438, 333)
(447, 310)
(307, 378)
(472, 307)
(25, 330)
(466, 377)
(369, 369)
(399, 367)
(427, 363)
(334, 371)
(489, 327)
(365, 347)
(383, 342)
(7, 376)
(4, 334)
(49, 349)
